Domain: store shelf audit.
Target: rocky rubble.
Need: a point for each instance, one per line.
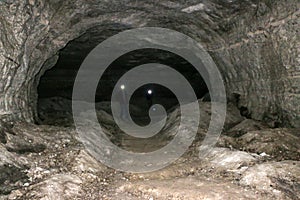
(280, 178)
(279, 143)
(243, 168)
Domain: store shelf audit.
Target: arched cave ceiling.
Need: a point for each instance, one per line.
(255, 44)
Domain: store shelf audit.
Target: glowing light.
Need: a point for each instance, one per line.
(149, 91)
(122, 87)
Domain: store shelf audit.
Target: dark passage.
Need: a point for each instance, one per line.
(57, 83)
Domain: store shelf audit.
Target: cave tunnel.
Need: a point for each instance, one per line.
(48, 152)
(56, 85)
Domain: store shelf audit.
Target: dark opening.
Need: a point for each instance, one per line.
(55, 88)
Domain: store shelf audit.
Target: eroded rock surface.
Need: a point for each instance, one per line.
(276, 177)
(280, 144)
(254, 44)
(65, 170)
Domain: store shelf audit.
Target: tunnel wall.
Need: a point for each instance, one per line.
(261, 61)
(255, 45)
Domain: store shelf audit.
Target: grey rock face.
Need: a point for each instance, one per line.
(275, 177)
(255, 45)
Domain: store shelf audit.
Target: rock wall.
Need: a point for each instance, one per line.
(255, 45)
(260, 61)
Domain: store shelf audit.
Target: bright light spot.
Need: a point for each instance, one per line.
(149, 91)
(122, 87)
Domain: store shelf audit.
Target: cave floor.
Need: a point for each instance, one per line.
(49, 162)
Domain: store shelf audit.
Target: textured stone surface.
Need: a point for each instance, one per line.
(229, 160)
(255, 45)
(281, 144)
(275, 177)
(187, 188)
(246, 126)
(64, 169)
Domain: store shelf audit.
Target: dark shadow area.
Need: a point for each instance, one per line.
(56, 85)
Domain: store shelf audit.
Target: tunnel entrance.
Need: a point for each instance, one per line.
(56, 85)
